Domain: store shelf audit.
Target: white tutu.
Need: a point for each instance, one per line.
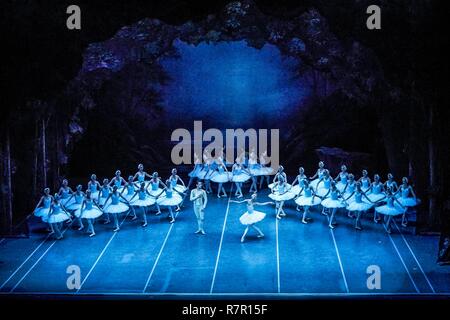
(322, 192)
(330, 203)
(314, 183)
(218, 177)
(116, 208)
(359, 206)
(241, 177)
(204, 174)
(389, 210)
(375, 197)
(101, 201)
(180, 188)
(408, 202)
(307, 201)
(147, 202)
(67, 201)
(282, 197)
(74, 206)
(266, 171)
(272, 185)
(194, 173)
(295, 189)
(252, 218)
(175, 200)
(41, 212)
(155, 192)
(340, 186)
(88, 213)
(56, 218)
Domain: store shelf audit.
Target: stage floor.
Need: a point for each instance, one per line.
(164, 260)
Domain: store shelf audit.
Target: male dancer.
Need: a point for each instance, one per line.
(199, 199)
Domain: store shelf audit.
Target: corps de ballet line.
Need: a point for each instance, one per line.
(141, 191)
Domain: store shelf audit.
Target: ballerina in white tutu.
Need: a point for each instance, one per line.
(239, 175)
(94, 186)
(281, 193)
(43, 207)
(65, 192)
(118, 181)
(265, 171)
(103, 195)
(57, 216)
(358, 205)
(407, 199)
(306, 198)
(115, 205)
(365, 181)
(324, 184)
(129, 190)
(155, 183)
(254, 170)
(90, 211)
(375, 193)
(140, 175)
(194, 173)
(318, 175)
(342, 178)
(391, 183)
(349, 189)
(297, 185)
(333, 200)
(278, 176)
(171, 198)
(78, 197)
(180, 187)
(221, 176)
(143, 201)
(251, 217)
(391, 209)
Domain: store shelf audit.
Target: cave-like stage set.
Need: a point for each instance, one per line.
(330, 199)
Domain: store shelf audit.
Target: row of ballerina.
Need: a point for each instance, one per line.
(116, 196)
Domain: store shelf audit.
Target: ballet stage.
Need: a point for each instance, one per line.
(170, 261)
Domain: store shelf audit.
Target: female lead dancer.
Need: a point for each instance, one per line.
(308, 199)
(90, 211)
(251, 217)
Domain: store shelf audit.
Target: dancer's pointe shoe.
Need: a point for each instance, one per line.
(242, 239)
(177, 209)
(116, 229)
(298, 209)
(144, 224)
(260, 235)
(51, 233)
(198, 231)
(225, 195)
(376, 220)
(350, 215)
(358, 228)
(389, 231)
(158, 213)
(304, 221)
(324, 213)
(239, 196)
(68, 221)
(80, 228)
(404, 224)
(59, 238)
(283, 214)
(92, 234)
(172, 220)
(133, 218)
(278, 217)
(106, 222)
(202, 232)
(331, 226)
(218, 196)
